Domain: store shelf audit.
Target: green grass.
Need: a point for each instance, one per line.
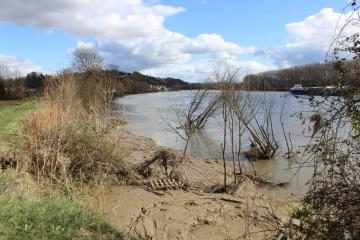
(51, 218)
(24, 214)
(12, 119)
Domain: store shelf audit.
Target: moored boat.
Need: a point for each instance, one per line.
(298, 89)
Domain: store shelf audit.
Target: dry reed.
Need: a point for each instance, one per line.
(68, 140)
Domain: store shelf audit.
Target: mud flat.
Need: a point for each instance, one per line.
(191, 212)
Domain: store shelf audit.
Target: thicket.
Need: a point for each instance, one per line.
(331, 208)
(69, 138)
(12, 87)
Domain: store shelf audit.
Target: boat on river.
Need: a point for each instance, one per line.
(298, 89)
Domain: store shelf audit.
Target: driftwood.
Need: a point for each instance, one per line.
(216, 189)
(230, 200)
(164, 157)
(265, 182)
(152, 191)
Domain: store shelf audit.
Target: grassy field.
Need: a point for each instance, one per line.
(51, 218)
(12, 119)
(26, 210)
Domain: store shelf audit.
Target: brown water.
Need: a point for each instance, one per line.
(146, 113)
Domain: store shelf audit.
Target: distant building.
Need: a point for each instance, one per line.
(159, 88)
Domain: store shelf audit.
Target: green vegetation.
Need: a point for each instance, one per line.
(330, 209)
(12, 119)
(30, 209)
(13, 116)
(51, 218)
(132, 83)
(68, 140)
(123, 83)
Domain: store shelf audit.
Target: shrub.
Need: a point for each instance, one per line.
(67, 140)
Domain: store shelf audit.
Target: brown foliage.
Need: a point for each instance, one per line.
(68, 139)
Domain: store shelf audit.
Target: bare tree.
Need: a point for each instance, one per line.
(202, 106)
(227, 79)
(287, 136)
(331, 207)
(224, 143)
(5, 72)
(256, 115)
(193, 116)
(87, 59)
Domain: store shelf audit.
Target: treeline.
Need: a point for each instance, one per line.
(312, 75)
(89, 70)
(131, 83)
(122, 83)
(12, 88)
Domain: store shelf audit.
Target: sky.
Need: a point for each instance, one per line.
(168, 38)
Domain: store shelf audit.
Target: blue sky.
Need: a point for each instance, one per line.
(178, 38)
(259, 23)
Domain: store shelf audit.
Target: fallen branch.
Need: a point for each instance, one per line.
(230, 200)
(152, 191)
(164, 156)
(263, 181)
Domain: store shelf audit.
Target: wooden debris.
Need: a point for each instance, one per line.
(152, 191)
(164, 184)
(165, 157)
(265, 182)
(230, 200)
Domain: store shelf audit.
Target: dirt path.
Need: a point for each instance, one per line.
(8, 102)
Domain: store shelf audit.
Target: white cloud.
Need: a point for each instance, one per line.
(111, 19)
(18, 66)
(205, 43)
(201, 70)
(129, 33)
(171, 48)
(310, 38)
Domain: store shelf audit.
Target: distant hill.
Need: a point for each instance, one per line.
(122, 83)
(131, 83)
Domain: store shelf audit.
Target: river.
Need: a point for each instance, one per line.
(148, 115)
